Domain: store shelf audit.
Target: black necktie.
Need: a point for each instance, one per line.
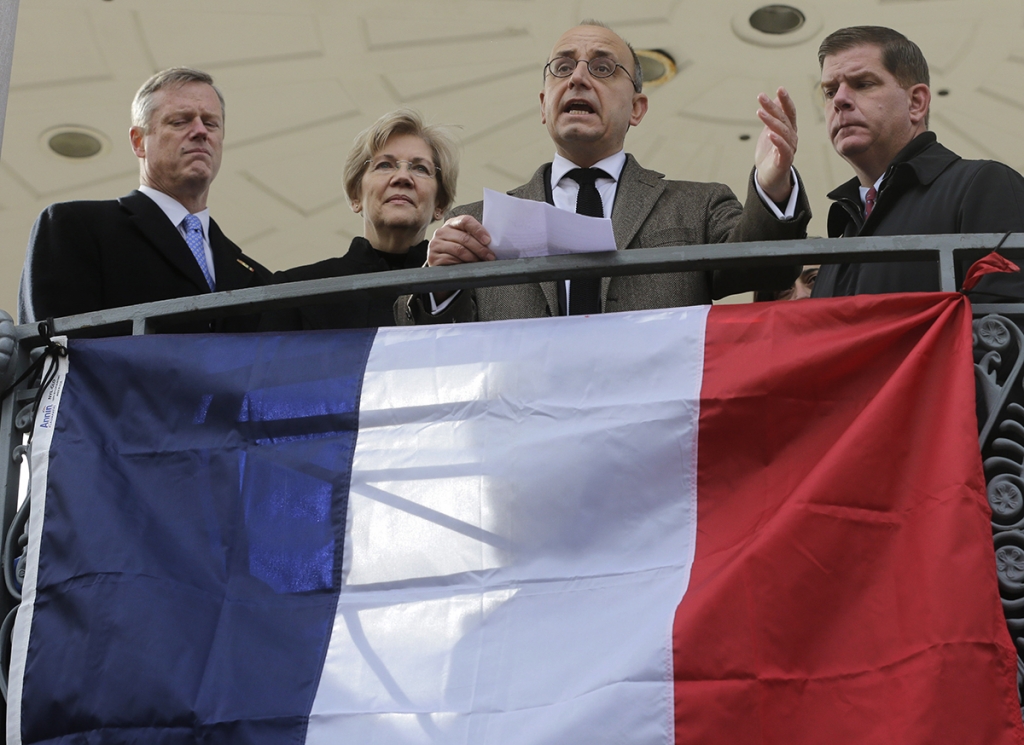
(585, 294)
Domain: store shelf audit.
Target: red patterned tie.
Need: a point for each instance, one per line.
(869, 202)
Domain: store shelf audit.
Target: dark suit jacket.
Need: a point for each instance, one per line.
(649, 211)
(87, 256)
(927, 190)
(356, 310)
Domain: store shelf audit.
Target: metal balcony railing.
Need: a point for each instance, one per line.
(948, 251)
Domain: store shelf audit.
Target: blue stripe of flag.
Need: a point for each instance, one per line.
(190, 559)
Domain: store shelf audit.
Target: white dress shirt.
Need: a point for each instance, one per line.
(564, 191)
(176, 214)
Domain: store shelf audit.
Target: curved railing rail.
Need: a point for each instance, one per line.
(948, 251)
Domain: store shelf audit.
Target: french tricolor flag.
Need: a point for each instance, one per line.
(746, 524)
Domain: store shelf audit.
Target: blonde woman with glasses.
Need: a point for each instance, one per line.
(400, 176)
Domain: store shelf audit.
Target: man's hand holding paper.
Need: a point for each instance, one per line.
(517, 228)
(521, 228)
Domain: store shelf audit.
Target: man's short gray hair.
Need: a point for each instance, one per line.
(174, 77)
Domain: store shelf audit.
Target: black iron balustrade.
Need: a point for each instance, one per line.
(998, 349)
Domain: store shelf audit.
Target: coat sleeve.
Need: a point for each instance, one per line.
(994, 203)
(62, 274)
(754, 222)
(414, 310)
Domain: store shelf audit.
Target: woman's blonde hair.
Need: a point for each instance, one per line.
(371, 140)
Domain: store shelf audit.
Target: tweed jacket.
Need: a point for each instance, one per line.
(649, 211)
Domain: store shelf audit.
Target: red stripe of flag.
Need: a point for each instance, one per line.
(844, 586)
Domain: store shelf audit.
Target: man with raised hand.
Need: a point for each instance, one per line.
(592, 95)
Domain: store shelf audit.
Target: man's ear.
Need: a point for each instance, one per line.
(137, 136)
(920, 99)
(543, 118)
(639, 109)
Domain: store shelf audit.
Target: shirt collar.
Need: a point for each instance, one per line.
(612, 165)
(174, 210)
(865, 189)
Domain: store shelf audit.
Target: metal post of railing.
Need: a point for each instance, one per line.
(10, 474)
(15, 418)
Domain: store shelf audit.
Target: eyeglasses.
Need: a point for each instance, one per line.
(599, 67)
(388, 167)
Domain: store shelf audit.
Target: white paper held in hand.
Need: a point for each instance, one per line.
(521, 228)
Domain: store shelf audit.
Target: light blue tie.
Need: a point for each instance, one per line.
(194, 239)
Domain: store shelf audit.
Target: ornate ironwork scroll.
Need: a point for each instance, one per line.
(998, 360)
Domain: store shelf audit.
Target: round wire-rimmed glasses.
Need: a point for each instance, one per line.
(599, 67)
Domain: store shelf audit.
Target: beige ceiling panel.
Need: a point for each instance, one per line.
(53, 176)
(303, 241)
(687, 158)
(423, 26)
(945, 43)
(259, 113)
(709, 162)
(175, 38)
(618, 14)
(65, 47)
(517, 164)
(13, 257)
(513, 49)
(308, 183)
(997, 138)
(244, 211)
(14, 193)
(486, 109)
(412, 84)
(409, 76)
(1004, 82)
(729, 100)
(720, 157)
(110, 188)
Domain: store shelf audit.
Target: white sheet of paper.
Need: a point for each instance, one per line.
(521, 227)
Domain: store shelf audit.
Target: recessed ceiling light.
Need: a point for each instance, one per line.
(76, 143)
(777, 19)
(658, 66)
(776, 25)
